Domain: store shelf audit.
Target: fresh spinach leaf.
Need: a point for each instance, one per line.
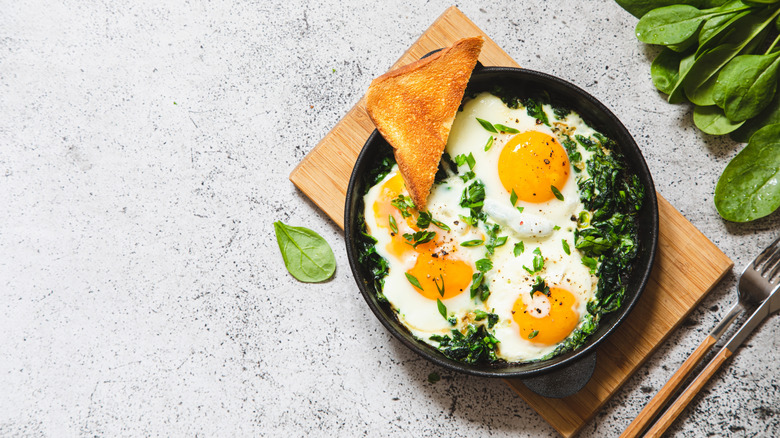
(747, 85)
(749, 187)
(665, 70)
(306, 254)
(674, 24)
(638, 8)
(713, 121)
(769, 116)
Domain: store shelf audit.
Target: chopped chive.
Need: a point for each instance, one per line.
(566, 247)
(533, 334)
(504, 128)
(439, 289)
(412, 279)
(393, 224)
(487, 125)
(489, 144)
(520, 209)
(556, 228)
(470, 160)
(513, 197)
(442, 308)
(475, 242)
(557, 193)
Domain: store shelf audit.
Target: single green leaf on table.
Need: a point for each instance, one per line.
(746, 85)
(769, 116)
(710, 119)
(665, 70)
(749, 187)
(306, 254)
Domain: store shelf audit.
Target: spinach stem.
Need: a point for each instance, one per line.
(772, 46)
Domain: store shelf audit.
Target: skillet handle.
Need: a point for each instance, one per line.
(565, 381)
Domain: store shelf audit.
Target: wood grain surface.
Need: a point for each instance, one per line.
(687, 264)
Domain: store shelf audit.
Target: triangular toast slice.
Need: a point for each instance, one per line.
(414, 106)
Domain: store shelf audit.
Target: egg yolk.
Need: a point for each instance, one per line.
(530, 163)
(552, 318)
(438, 274)
(435, 271)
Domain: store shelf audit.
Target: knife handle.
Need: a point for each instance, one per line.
(669, 389)
(690, 392)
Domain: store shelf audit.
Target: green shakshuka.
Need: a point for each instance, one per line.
(528, 236)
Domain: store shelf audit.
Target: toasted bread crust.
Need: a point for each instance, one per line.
(413, 107)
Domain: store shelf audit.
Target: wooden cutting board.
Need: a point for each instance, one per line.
(687, 264)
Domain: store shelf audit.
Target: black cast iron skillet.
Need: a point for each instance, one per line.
(567, 373)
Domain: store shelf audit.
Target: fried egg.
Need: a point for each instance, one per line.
(539, 288)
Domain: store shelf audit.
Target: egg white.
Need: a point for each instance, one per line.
(543, 225)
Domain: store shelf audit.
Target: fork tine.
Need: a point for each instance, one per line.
(773, 272)
(770, 250)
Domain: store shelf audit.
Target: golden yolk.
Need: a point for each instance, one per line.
(383, 209)
(552, 317)
(433, 273)
(530, 163)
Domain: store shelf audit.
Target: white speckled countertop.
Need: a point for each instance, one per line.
(145, 149)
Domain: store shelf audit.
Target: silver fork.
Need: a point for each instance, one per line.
(758, 284)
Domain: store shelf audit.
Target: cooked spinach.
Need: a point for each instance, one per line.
(306, 254)
(477, 345)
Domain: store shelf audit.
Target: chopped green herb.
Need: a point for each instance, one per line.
(489, 144)
(403, 204)
(487, 125)
(442, 308)
(479, 315)
(419, 237)
(533, 334)
(475, 242)
(425, 219)
(566, 247)
(471, 161)
(520, 209)
(519, 248)
(557, 193)
(440, 289)
(484, 265)
(412, 279)
(540, 285)
(504, 128)
(513, 197)
(460, 159)
(538, 260)
(393, 224)
(556, 228)
(590, 263)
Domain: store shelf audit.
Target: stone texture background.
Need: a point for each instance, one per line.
(145, 148)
